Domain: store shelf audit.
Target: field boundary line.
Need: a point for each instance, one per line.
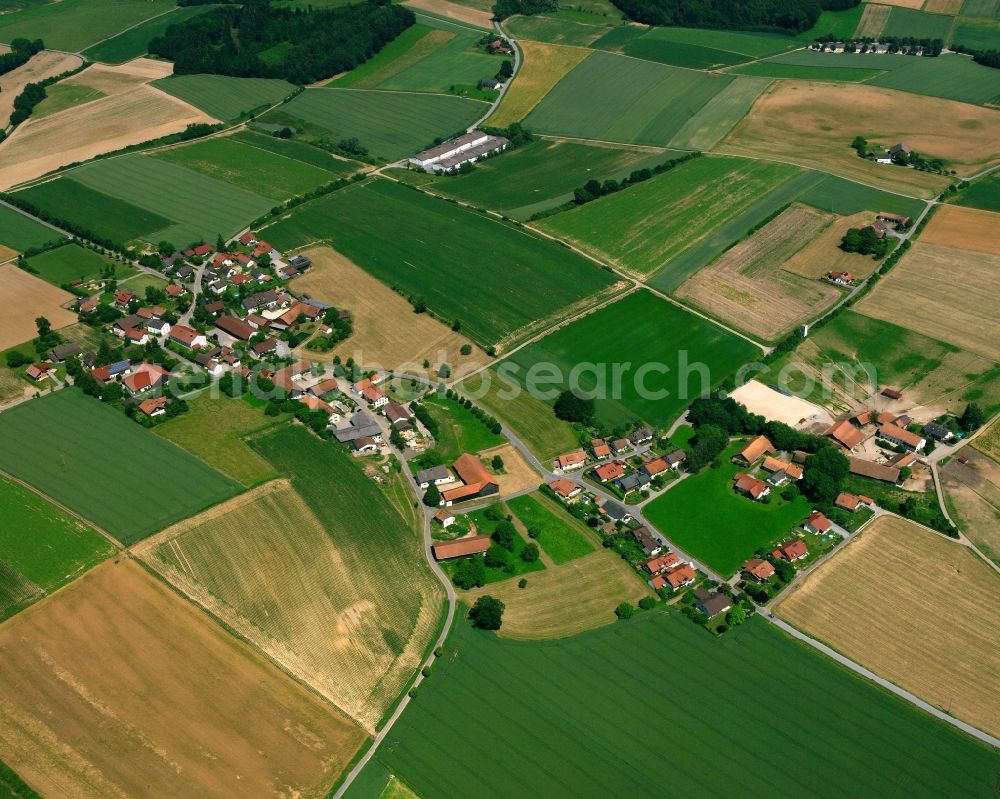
(391, 91)
(115, 36)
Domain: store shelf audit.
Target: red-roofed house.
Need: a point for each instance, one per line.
(817, 523)
(847, 502)
(154, 407)
(478, 482)
(145, 377)
(792, 551)
(667, 560)
(750, 486)
(188, 337)
(38, 371)
(681, 576)
(565, 489)
(609, 471)
(758, 570)
(572, 460)
(755, 449)
(845, 434)
(461, 547)
(600, 448)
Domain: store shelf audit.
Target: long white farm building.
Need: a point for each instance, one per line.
(464, 149)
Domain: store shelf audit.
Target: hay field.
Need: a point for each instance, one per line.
(972, 491)
(914, 607)
(748, 289)
(812, 124)
(903, 3)
(387, 334)
(132, 112)
(565, 600)
(24, 297)
(116, 684)
(542, 67)
(873, 20)
(518, 475)
(939, 291)
(964, 228)
(823, 253)
(46, 64)
(266, 566)
(455, 11)
(988, 442)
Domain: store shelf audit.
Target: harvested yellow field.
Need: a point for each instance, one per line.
(823, 254)
(812, 124)
(131, 112)
(264, 564)
(543, 66)
(873, 20)
(387, 334)
(973, 493)
(988, 441)
(914, 607)
(939, 291)
(115, 687)
(517, 474)
(565, 600)
(25, 297)
(461, 13)
(964, 228)
(747, 288)
(7, 253)
(46, 64)
(949, 7)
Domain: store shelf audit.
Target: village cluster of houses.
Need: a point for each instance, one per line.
(875, 48)
(776, 472)
(249, 259)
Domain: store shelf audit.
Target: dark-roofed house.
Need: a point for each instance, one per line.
(712, 603)
(262, 299)
(675, 459)
(938, 431)
(397, 414)
(436, 474)
(616, 511)
(264, 348)
(875, 471)
(633, 481)
(65, 351)
(645, 539)
(361, 424)
(461, 547)
(640, 436)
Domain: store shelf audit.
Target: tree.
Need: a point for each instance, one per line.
(530, 553)
(523, 582)
(470, 573)
(497, 463)
(708, 442)
(17, 358)
(972, 418)
(625, 610)
(44, 326)
(432, 496)
(487, 613)
(504, 534)
(571, 408)
(497, 557)
(165, 248)
(466, 349)
(825, 471)
(647, 603)
(736, 616)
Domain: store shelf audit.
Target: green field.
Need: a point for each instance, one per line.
(611, 98)
(223, 97)
(638, 332)
(645, 227)
(134, 42)
(557, 533)
(692, 47)
(20, 232)
(752, 45)
(13, 787)
(99, 213)
(76, 24)
(60, 96)
(860, 61)
(709, 125)
(411, 45)
(493, 278)
(200, 207)
(736, 527)
(772, 69)
(841, 196)
(918, 24)
(72, 262)
(251, 168)
(981, 8)
(458, 430)
(840, 24)
(954, 77)
(976, 34)
(543, 174)
(495, 574)
(41, 544)
(390, 125)
(299, 151)
(100, 464)
(983, 193)
(572, 697)
(556, 31)
(456, 60)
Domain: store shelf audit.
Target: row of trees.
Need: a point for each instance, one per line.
(508, 8)
(300, 45)
(785, 15)
(593, 189)
(20, 51)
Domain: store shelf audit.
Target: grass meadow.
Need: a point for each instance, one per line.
(977, 34)
(224, 97)
(691, 47)
(773, 69)
(637, 330)
(952, 76)
(557, 533)
(918, 24)
(543, 174)
(74, 25)
(22, 233)
(709, 125)
(450, 256)
(569, 706)
(410, 46)
(41, 545)
(390, 125)
(644, 228)
(299, 151)
(611, 98)
(456, 59)
(72, 262)
(459, 431)
(983, 194)
(737, 525)
(100, 464)
(101, 214)
(555, 31)
(134, 42)
(839, 24)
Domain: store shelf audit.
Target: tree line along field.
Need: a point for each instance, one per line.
(225, 97)
(448, 255)
(83, 454)
(543, 174)
(871, 603)
(736, 527)
(390, 125)
(41, 547)
(74, 25)
(637, 330)
(568, 709)
(119, 652)
(627, 100)
(805, 123)
(21, 233)
(641, 230)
